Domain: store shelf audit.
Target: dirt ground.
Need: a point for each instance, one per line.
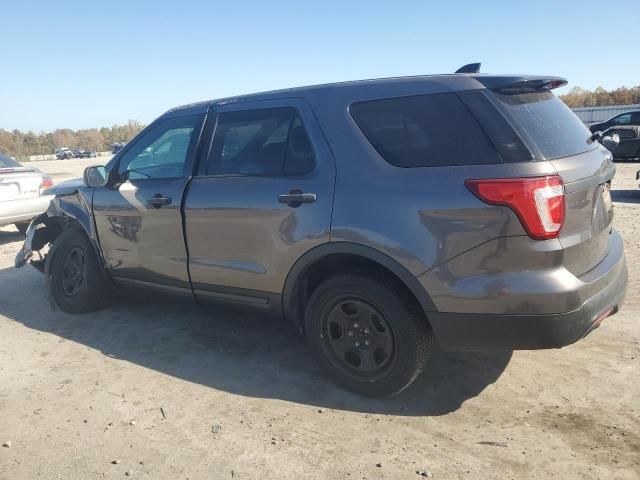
(153, 389)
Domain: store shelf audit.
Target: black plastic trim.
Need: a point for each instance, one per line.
(290, 305)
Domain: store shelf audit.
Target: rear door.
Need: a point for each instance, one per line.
(628, 146)
(554, 133)
(138, 215)
(261, 199)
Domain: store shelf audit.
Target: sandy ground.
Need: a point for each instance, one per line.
(154, 389)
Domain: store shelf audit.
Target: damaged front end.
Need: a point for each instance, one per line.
(42, 231)
(70, 207)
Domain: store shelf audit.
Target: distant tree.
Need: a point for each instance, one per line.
(579, 97)
(20, 144)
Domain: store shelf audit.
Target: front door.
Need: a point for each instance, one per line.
(138, 215)
(262, 200)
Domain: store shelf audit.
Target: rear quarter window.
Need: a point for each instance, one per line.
(424, 131)
(545, 122)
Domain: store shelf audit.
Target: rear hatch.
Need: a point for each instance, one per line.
(18, 182)
(554, 133)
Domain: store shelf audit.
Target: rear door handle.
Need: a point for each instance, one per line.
(158, 200)
(295, 198)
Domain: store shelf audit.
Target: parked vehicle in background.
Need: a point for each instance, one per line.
(627, 118)
(88, 154)
(63, 153)
(377, 216)
(628, 145)
(117, 146)
(21, 197)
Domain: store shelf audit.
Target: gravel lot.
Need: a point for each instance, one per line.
(153, 389)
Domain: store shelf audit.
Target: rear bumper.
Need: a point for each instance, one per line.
(470, 331)
(14, 211)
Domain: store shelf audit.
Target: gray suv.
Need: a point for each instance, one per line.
(379, 217)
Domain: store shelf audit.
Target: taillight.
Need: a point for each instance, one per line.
(47, 182)
(538, 201)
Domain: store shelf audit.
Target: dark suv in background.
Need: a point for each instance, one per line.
(377, 216)
(627, 118)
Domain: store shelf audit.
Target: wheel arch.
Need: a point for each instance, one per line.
(64, 212)
(300, 283)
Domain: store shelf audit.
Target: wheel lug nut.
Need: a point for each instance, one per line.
(366, 330)
(356, 325)
(357, 344)
(350, 333)
(367, 343)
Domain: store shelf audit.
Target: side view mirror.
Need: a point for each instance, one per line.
(95, 176)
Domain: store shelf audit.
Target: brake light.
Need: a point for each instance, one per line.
(46, 183)
(537, 201)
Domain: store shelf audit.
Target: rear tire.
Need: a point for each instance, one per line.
(78, 283)
(367, 335)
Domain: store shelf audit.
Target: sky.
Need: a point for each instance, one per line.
(82, 64)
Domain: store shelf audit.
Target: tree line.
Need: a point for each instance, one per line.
(579, 97)
(21, 145)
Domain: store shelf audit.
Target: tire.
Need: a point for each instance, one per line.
(345, 312)
(22, 227)
(77, 281)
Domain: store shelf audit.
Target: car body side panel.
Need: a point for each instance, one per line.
(240, 236)
(421, 217)
(140, 242)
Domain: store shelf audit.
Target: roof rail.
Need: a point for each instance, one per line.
(469, 68)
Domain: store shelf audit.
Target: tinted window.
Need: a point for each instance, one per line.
(424, 131)
(624, 119)
(265, 142)
(503, 136)
(162, 151)
(6, 162)
(545, 122)
(635, 118)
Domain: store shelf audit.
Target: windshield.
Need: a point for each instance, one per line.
(547, 124)
(6, 162)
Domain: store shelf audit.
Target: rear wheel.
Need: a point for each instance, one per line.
(366, 335)
(78, 284)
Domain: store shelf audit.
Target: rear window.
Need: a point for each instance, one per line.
(6, 162)
(545, 122)
(424, 131)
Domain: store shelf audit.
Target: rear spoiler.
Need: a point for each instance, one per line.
(512, 84)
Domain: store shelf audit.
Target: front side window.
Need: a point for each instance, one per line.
(161, 152)
(264, 142)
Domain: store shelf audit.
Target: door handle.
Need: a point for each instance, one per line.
(158, 200)
(295, 198)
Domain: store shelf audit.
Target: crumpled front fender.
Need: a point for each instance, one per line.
(64, 209)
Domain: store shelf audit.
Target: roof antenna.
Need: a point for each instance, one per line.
(469, 68)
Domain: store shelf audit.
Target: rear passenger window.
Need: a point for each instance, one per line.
(265, 142)
(424, 131)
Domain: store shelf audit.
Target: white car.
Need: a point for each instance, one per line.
(21, 197)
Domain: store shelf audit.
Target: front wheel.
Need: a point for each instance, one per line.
(367, 335)
(77, 281)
